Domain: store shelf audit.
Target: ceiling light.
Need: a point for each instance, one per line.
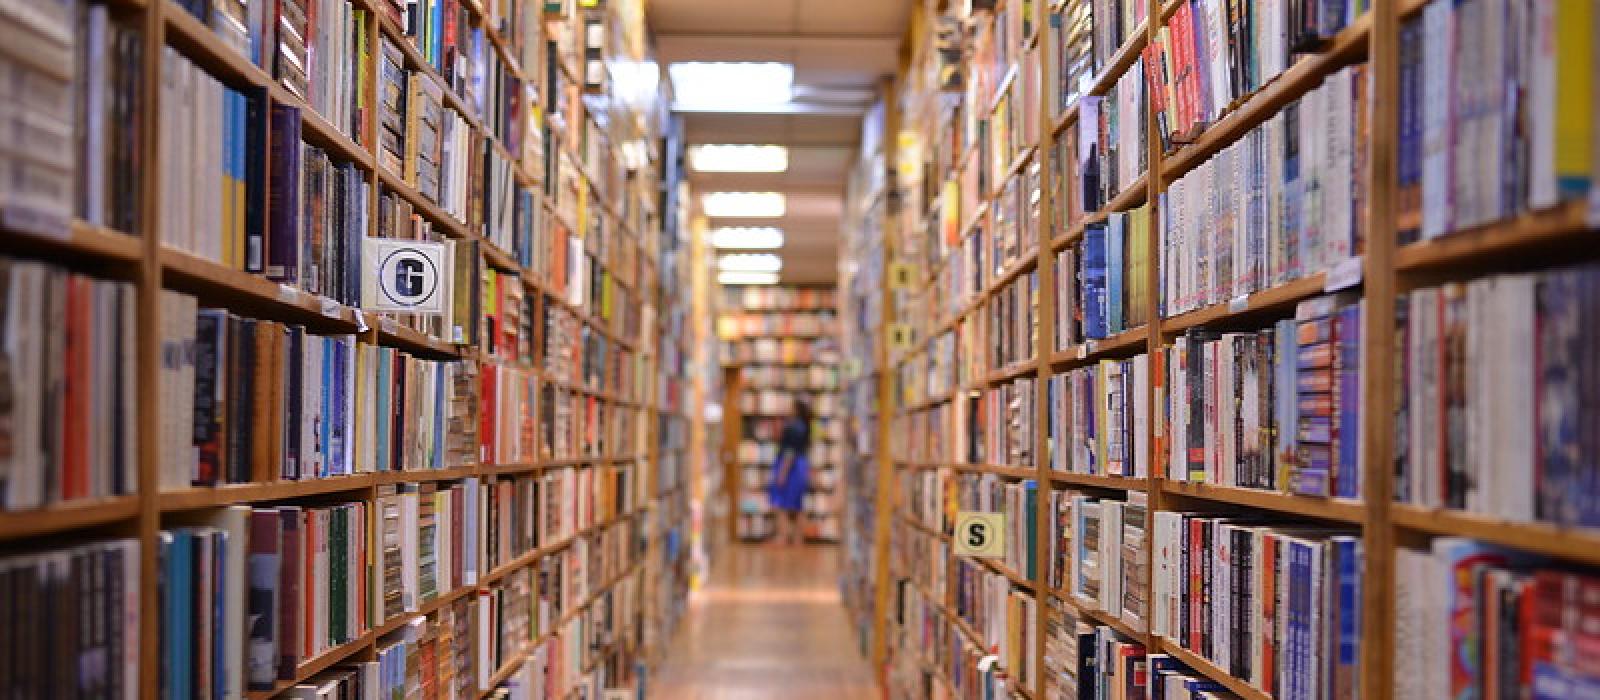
(718, 85)
(744, 205)
(729, 278)
(738, 158)
(747, 237)
(750, 262)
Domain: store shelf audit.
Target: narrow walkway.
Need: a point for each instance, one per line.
(769, 625)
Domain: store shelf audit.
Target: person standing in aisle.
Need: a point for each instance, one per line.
(791, 473)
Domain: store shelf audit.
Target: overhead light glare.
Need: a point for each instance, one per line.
(747, 238)
(730, 85)
(733, 278)
(750, 262)
(738, 158)
(744, 205)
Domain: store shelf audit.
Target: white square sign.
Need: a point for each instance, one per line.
(404, 276)
(980, 534)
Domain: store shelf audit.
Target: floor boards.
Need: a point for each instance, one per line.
(768, 626)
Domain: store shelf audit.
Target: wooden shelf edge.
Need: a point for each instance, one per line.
(1105, 481)
(1210, 670)
(1333, 509)
(1567, 221)
(66, 516)
(1133, 339)
(215, 284)
(1573, 544)
(82, 239)
(1283, 296)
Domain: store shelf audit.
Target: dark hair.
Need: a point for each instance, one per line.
(802, 410)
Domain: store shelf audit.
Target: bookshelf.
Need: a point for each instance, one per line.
(996, 98)
(782, 343)
(588, 426)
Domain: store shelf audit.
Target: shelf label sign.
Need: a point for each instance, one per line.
(902, 274)
(980, 534)
(403, 276)
(900, 336)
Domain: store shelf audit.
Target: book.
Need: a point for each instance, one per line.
(72, 420)
(94, 586)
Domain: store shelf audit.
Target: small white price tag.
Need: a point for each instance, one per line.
(987, 662)
(330, 308)
(361, 321)
(980, 534)
(1082, 352)
(1345, 275)
(1239, 303)
(287, 293)
(386, 324)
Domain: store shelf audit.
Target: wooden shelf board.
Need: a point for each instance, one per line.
(66, 516)
(1210, 670)
(1347, 47)
(1015, 370)
(81, 239)
(1006, 471)
(1126, 483)
(414, 341)
(1122, 60)
(234, 494)
(1331, 509)
(994, 565)
(1129, 342)
(1099, 616)
(236, 290)
(207, 51)
(1564, 223)
(1578, 545)
(1282, 297)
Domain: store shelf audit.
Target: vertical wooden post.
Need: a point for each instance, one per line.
(149, 351)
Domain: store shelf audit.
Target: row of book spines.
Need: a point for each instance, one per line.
(245, 429)
(72, 415)
(1276, 606)
(1099, 417)
(1275, 409)
(72, 621)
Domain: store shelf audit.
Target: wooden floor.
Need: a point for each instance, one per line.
(769, 624)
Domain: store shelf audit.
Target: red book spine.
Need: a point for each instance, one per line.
(486, 434)
(74, 383)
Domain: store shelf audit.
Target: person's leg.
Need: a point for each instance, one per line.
(795, 533)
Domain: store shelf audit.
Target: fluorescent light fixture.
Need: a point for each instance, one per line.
(730, 278)
(747, 237)
(738, 158)
(750, 262)
(744, 205)
(730, 86)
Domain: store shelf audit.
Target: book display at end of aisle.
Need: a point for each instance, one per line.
(783, 340)
(1296, 310)
(233, 480)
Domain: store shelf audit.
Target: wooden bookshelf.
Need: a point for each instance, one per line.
(628, 257)
(1378, 272)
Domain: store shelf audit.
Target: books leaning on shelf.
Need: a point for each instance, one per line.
(1107, 570)
(72, 621)
(1276, 409)
(1204, 62)
(1496, 112)
(259, 400)
(109, 94)
(1490, 622)
(212, 145)
(1285, 201)
(1106, 273)
(71, 418)
(1275, 605)
(1012, 314)
(1495, 387)
(1099, 417)
(1003, 617)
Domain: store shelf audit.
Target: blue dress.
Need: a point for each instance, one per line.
(790, 494)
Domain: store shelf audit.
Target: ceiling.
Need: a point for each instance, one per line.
(840, 50)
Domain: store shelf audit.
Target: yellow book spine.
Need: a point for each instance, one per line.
(1574, 87)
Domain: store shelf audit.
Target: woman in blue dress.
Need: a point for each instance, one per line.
(791, 473)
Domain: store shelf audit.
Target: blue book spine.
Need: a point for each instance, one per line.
(438, 416)
(1347, 552)
(179, 635)
(380, 412)
(1114, 236)
(1299, 620)
(324, 408)
(1347, 477)
(1094, 282)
